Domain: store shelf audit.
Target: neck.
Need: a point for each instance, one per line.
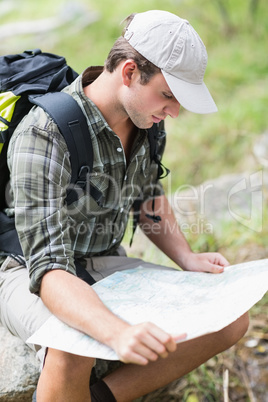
(103, 91)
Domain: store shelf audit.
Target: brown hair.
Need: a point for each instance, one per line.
(122, 50)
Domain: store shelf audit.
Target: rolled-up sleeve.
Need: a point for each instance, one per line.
(40, 173)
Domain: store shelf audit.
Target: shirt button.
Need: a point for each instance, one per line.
(119, 149)
(114, 241)
(121, 209)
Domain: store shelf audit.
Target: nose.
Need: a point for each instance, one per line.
(173, 109)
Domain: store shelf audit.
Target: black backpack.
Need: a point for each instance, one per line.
(36, 78)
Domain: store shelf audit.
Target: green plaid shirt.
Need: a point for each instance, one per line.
(51, 232)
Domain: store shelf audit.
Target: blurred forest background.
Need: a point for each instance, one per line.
(199, 148)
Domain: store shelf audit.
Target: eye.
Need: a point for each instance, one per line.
(167, 96)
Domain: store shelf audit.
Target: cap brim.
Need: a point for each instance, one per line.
(193, 97)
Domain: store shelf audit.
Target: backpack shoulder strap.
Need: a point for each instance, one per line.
(162, 171)
(72, 124)
(152, 137)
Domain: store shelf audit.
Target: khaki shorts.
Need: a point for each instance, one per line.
(22, 312)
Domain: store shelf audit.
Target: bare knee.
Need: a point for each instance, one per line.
(69, 365)
(231, 334)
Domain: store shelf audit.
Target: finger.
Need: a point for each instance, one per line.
(151, 341)
(215, 263)
(144, 340)
(134, 358)
(146, 352)
(149, 348)
(219, 259)
(171, 345)
(158, 333)
(162, 342)
(175, 339)
(216, 269)
(179, 337)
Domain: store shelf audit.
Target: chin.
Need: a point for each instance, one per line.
(142, 123)
(146, 126)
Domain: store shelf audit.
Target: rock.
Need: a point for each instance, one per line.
(19, 369)
(229, 199)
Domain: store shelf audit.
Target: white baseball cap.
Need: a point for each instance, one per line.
(171, 44)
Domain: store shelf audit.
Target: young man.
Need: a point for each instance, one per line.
(154, 68)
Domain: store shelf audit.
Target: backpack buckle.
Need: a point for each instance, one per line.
(82, 176)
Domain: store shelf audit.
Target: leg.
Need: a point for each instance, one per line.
(21, 312)
(64, 378)
(131, 381)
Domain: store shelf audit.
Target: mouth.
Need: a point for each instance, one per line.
(156, 119)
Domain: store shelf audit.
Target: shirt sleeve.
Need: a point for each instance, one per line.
(40, 173)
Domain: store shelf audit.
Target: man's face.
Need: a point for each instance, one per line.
(150, 103)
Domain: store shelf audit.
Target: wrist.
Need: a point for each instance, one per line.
(183, 259)
(113, 332)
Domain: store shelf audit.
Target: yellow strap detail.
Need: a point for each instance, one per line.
(7, 105)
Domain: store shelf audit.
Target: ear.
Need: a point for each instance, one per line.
(129, 72)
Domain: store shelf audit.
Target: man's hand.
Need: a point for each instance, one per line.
(144, 342)
(137, 344)
(205, 262)
(167, 236)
